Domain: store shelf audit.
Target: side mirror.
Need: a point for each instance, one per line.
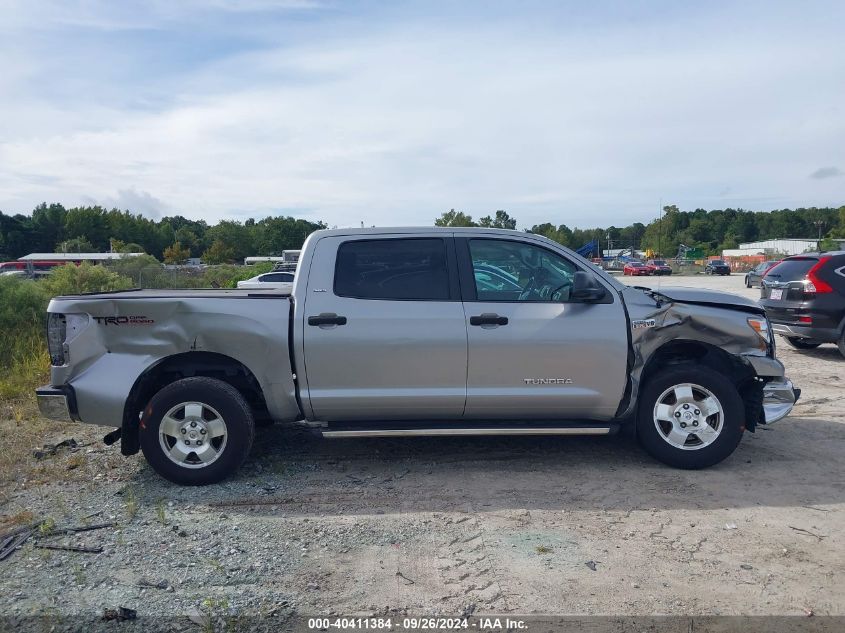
(586, 288)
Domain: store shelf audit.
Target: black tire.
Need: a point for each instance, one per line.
(841, 343)
(748, 282)
(802, 343)
(732, 422)
(213, 394)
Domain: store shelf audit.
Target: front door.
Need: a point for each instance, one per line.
(533, 353)
(384, 333)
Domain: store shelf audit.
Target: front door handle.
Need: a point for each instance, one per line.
(327, 318)
(488, 318)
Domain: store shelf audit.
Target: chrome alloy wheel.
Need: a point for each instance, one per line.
(688, 416)
(192, 434)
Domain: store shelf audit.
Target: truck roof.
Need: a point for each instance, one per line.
(410, 230)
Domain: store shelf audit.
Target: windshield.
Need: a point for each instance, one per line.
(718, 262)
(658, 262)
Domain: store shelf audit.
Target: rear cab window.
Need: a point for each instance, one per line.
(393, 269)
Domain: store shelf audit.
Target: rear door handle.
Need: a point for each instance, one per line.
(488, 318)
(327, 318)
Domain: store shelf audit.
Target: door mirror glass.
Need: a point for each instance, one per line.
(586, 288)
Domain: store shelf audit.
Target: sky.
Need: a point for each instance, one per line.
(389, 113)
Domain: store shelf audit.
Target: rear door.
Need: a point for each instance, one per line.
(384, 334)
(533, 353)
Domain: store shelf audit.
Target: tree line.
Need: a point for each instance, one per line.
(707, 231)
(54, 228)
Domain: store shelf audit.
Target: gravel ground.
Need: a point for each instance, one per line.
(581, 526)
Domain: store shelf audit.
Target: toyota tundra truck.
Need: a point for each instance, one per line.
(415, 332)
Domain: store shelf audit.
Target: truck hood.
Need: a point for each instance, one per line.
(697, 296)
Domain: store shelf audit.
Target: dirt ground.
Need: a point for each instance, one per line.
(456, 525)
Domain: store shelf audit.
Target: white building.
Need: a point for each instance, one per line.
(786, 246)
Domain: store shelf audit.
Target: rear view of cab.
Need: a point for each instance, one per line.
(804, 298)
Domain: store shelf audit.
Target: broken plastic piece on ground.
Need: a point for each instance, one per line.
(52, 449)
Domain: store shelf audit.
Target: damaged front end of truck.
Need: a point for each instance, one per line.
(725, 332)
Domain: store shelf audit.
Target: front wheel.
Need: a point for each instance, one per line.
(747, 282)
(197, 431)
(690, 417)
(802, 343)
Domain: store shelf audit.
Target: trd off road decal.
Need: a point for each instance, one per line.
(124, 320)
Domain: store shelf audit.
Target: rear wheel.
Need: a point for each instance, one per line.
(747, 282)
(802, 343)
(690, 417)
(197, 431)
(841, 343)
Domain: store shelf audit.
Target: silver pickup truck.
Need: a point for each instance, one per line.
(409, 332)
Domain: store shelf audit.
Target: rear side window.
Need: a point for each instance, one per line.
(404, 269)
(792, 269)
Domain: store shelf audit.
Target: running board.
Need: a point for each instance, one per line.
(458, 431)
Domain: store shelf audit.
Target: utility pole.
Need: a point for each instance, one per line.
(660, 228)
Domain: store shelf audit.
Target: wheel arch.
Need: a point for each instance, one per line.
(172, 368)
(735, 368)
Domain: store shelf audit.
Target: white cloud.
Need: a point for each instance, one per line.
(131, 199)
(397, 123)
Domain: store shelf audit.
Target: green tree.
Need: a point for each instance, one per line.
(454, 218)
(48, 223)
(176, 254)
(71, 279)
(119, 246)
(77, 245)
(90, 223)
(501, 221)
(218, 253)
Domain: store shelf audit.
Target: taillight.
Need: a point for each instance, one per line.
(61, 330)
(814, 285)
(56, 332)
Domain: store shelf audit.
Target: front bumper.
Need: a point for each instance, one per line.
(57, 403)
(779, 396)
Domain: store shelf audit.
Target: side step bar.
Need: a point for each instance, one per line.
(457, 431)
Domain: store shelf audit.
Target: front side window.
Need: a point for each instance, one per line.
(404, 269)
(515, 271)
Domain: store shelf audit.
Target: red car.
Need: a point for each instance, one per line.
(637, 268)
(659, 266)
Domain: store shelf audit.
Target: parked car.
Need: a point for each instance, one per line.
(659, 267)
(414, 332)
(717, 267)
(754, 277)
(279, 280)
(804, 297)
(636, 268)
